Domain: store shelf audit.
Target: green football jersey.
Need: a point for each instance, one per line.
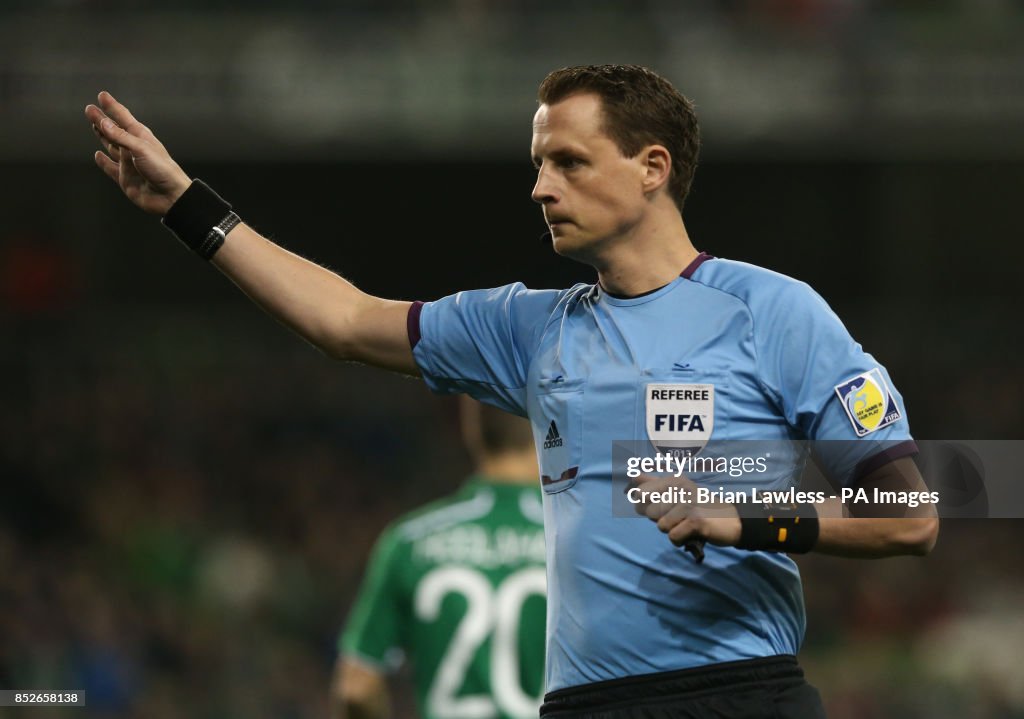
(458, 587)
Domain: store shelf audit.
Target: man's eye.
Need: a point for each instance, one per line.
(570, 163)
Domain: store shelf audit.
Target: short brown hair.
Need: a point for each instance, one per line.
(640, 108)
(490, 431)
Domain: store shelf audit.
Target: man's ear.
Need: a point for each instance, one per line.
(658, 167)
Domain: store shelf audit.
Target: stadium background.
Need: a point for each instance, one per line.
(188, 492)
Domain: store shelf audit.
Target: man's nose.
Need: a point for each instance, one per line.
(544, 190)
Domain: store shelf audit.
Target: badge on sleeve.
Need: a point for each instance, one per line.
(680, 416)
(868, 402)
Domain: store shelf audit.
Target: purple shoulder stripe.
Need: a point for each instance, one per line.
(907, 448)
(697, 262)
(412, 324)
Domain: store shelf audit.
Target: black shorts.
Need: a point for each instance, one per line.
(769, 688)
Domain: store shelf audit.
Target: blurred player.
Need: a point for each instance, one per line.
(669, 345)
(457, 588)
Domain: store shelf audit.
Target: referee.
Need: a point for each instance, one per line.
(636, 627)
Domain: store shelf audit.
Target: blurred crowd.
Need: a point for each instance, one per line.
(765, 15)
(766, 8)
(182, 529)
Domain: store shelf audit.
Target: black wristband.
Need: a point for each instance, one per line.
(200, 218)
(778, 528)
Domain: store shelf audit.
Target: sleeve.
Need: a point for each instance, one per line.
(830, 390)
(375, 632)
(481, 342)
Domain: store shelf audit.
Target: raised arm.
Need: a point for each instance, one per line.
(321, 306)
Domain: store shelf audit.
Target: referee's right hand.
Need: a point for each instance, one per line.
(135, 159)
(689, 521)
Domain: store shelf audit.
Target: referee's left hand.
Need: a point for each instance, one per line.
(714, 522)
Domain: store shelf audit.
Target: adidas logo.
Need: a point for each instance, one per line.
(553, 439)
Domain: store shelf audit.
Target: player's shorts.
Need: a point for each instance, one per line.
(769, 688)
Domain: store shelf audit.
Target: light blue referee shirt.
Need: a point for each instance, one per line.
(764, 358)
